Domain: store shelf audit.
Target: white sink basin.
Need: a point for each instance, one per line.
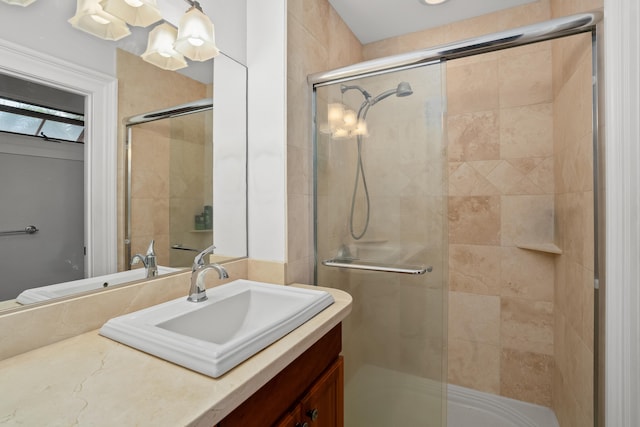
(44, 293)
(239, 319)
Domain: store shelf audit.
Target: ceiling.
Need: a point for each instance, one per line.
(373, 20)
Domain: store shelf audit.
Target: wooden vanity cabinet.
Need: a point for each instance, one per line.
(307, 393)
(322, 405)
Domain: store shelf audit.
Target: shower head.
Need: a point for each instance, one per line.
(403, 89)
(344, 88)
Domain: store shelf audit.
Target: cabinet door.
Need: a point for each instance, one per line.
(323, 405)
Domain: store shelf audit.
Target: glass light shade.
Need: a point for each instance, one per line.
(22, 3)
(139, 13)
(196, 39)
(160, 51)
(91, 19)
(350, 119)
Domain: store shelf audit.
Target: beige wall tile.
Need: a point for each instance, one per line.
(521, 83)
(472, 87)
(474, 269)
(299, 225)
(474, 318)
(526, 376)
(526, 131)
(526, 325)
(526, 219)
(474, 365)
(568, 7)
(526, 274)
(466, 180)
(266, 271)
(474, 136)
(474, 220)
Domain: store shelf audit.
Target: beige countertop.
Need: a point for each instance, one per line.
(90, 380)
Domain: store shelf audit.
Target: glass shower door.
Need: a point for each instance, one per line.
(381, 236)
(171, 187)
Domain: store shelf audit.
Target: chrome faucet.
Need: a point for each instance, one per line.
(198, 292)
(149, 261)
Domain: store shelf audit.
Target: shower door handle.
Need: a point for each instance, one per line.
(389, 268)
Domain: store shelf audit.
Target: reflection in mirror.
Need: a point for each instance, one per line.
(170, 183)
(143, 88)
(41, 171)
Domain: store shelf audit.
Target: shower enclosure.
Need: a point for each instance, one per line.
(386, 218)
(381, 236)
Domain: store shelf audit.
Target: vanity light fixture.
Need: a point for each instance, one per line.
(22, 3)
(160, 51)
(91, 18)
(432, 2)
(139, 13)
(196, 38)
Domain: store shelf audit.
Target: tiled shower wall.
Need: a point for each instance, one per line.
(574, 270)
(317, 40)
(501, 188)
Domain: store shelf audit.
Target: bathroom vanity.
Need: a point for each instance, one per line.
(91, 380)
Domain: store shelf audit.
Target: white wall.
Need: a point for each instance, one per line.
(43, 27)
(230, 158)
(622, 157)
(266, 59)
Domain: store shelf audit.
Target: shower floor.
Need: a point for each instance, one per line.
(378, 397)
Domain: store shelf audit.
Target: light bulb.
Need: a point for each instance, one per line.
(335, 114)
(134, 3)
(99, 19)
(194, 41)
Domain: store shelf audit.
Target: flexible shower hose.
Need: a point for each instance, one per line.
(359, 173)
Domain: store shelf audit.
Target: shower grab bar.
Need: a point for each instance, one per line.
(29, 229)
(371, 266)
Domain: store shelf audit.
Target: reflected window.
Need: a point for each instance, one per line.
(44, 122)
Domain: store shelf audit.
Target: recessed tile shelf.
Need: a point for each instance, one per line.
(549, 248)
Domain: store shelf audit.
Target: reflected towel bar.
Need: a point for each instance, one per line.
(364, 265)
(29, 229)
(184, 248)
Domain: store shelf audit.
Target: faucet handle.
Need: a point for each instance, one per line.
(150, 249)
(198, 261)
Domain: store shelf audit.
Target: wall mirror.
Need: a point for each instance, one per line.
(219, 178)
